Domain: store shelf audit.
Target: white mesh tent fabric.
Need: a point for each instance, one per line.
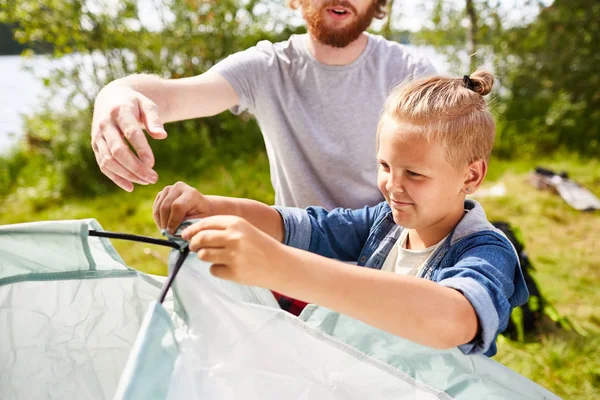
(72, 326)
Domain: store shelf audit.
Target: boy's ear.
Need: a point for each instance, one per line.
(475, 174)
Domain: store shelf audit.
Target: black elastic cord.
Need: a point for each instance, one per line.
(167, 285)
(183, 252)
(135, 238)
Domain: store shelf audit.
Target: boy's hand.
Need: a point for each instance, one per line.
(238, 250)
(176, 203)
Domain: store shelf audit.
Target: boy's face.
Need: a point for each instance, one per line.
(422, 188)
(338, 22)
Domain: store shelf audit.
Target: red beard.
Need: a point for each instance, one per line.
(337, 37)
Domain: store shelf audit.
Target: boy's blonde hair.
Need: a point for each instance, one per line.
(450, 111)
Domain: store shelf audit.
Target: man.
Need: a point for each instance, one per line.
(316, 98)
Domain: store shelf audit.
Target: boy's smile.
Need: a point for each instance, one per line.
(400, 204)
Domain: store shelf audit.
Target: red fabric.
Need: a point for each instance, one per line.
(290, 305)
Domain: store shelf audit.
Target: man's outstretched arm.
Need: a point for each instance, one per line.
(127, 106)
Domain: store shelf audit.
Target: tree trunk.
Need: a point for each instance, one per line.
(387, 28)
(472, 36)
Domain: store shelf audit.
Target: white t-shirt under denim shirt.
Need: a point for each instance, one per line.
(319, 121)
(403, 261)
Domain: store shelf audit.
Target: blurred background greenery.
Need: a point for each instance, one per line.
(547, 103)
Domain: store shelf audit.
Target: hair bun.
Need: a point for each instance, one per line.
(483, 81)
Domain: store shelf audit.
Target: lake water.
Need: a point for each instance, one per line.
(20, 91)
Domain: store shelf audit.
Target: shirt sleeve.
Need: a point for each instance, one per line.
(244, 71)
(485, 275)
(339, 233)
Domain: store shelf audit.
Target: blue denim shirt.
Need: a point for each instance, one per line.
(476, 258)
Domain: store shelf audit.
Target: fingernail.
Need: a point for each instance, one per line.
(152, 177)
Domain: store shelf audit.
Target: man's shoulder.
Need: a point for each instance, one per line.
(264, 54)
(292, 47)
(391, 52)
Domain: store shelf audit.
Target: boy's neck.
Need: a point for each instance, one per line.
(330, 55)
(422, 238)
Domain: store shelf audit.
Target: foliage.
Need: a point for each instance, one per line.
(448, 32)
(548, 95)
(554, 81)
(54, 161)
(97, 42)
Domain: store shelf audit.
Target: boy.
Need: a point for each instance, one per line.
(434, 138)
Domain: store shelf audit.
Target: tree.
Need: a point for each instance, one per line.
(472, 35)
(551, 72)
(548, 84)
(468, 28)
(105, 40)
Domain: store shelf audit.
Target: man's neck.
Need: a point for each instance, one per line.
(330, 55)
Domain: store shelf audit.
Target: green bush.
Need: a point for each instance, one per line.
(551, 71)
(103, 43)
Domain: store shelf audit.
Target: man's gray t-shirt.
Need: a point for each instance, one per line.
(319, 121)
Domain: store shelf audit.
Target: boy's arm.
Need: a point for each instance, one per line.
(262, 216)
(414, 308)
(489, 276)
(339, 233)
(180, 202)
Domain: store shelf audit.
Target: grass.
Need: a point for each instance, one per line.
(562, 243)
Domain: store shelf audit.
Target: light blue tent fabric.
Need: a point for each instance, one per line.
(72, 325)
(70, 311)
(153, 356)
(235, 343)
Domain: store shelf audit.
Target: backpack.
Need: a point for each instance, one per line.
(532, 311)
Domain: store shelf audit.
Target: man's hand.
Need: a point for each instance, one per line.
(120, 114)
(239, 251)
(176, 203)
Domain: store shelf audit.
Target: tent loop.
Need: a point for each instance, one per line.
(183, 252)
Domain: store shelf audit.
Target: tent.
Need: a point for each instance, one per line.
(77, 323)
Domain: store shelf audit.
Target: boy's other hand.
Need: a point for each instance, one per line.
(176, 203)
(238, 250)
